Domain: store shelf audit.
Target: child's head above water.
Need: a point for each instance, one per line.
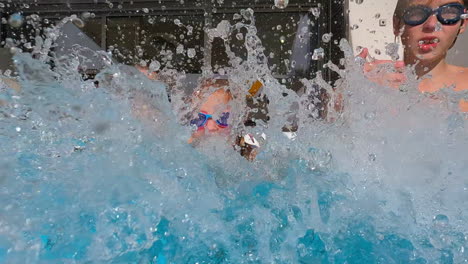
(428, 28)
(403, 4)
(212, 102)
(213, 112)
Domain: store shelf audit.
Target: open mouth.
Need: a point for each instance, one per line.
(428, 44)
(428, 41)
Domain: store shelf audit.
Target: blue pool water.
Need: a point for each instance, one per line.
(83, 180)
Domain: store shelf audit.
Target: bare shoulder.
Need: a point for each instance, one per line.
(11, 83)
(461, 77)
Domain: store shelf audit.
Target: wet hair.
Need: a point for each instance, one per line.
(193, 101)
(210, 83)
(400, 7)
(402, 4)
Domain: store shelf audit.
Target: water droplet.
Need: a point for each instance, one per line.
(247, 13)
(145, 10)
(191, 53)
(180, 49)
(359, 2)
(86, 15)
(281, 4)
(315, 11)
(16, 20)
(154, 66)
(377, 15)
(282, 39)
(78, 22)
(327, 37)
(18, 129)
(34, 17)
(355, 26)
(236, 16)
(370, 115)
(318, 54)
(240, 36)
(441, 221)
(14, 50)
(392, 50)
(189, 30)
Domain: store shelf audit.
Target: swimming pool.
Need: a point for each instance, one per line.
(85, 180)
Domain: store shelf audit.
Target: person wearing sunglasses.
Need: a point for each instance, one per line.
(428, 29)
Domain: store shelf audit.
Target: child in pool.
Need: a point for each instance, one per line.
(213, 117)
(214, 111)
(428, 29)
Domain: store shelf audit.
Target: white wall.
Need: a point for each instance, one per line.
(458, 55)
(375, 37)
(370, 33)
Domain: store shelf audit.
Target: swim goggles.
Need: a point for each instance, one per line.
(448, 14)
(200, 122)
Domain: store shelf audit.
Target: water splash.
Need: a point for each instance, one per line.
(16, 20)
(281, 4)
(105, 175)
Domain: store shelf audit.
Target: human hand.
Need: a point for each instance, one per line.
(147, 73)
(383, 72)
(196, 135)
(11, 83)
(248, 146)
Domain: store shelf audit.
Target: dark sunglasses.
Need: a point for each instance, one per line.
(448, 14)
(204, 117)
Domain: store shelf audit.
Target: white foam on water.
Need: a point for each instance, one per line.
(93, 172)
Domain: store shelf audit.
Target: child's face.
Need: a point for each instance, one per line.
(216, 104)
(430, 40)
